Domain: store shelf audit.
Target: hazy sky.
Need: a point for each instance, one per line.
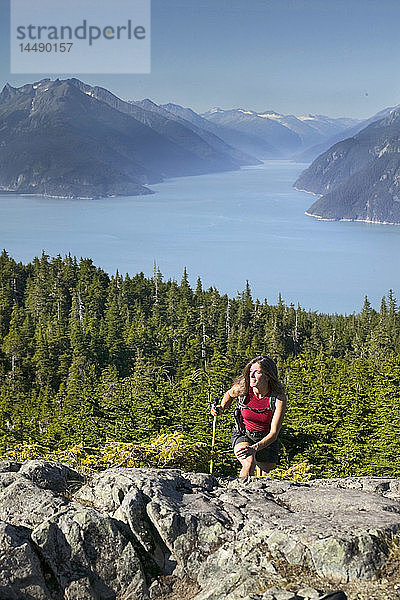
(339, 57)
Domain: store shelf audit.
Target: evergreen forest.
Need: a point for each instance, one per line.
(89, 361)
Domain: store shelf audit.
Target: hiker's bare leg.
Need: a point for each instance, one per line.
(248, 463)
(265, 467)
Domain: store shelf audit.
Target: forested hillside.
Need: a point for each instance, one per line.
(90, 360)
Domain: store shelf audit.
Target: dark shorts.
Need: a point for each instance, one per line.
(268, 454)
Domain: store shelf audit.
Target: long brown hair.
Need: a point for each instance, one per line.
(268, 367)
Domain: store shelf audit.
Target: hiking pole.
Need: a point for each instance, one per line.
(213, 438)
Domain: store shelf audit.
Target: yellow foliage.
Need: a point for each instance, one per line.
(301, 471)
(25, 451)
(394, 546)
(167, 450)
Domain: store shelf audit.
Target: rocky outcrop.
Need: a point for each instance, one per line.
(144, 534)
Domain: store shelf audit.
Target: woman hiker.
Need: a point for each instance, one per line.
(260, 408)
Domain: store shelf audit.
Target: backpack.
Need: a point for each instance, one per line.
(240, 404)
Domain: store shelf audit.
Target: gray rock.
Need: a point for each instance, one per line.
(168, 513)
(155, 590)
(10, 466)
(7, 478)
(384, 486)
(24, 504)
(89, 554)
(281, 594)
(202, 480)
(219, 531)
(307, 592)
(50, 475)
(20, 573)
(338, 595)
(226, 538)
(80, 589)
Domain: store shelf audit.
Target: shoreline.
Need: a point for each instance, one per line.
(343, 220)
(307, 192)
(6, 193)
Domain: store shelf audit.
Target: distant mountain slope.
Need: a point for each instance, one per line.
(310, 128)
(245, 142)
(202, 128)
(352, 128)
(359, 178)
(63, 138)
(264, 129)
(194, 140)
(287, 133)
(327, 126)
(52, 142)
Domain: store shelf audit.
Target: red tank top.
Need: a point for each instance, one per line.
(257, 421)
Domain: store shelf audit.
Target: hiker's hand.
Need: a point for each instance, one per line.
(247, 451)
(216, 410)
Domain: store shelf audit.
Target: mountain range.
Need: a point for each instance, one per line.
(65, 138)
(286, 135)
(358, 178)
(312, 152)
(69, 139)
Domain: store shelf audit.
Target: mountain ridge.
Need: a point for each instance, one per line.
(64, 138)
(358, 179)
(299, 132)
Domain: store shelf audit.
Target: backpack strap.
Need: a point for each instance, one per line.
(240, 402)
(238, 414)
(240, 405)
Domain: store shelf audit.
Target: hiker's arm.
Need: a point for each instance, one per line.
(276, 425)
(226, 401)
